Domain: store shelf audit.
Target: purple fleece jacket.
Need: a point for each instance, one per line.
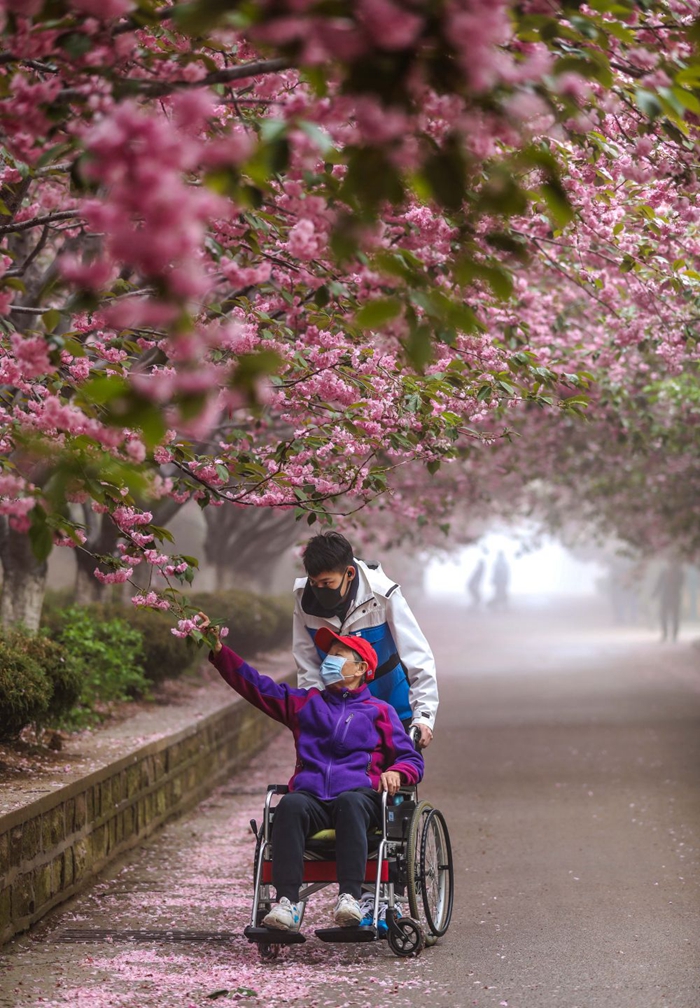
(343, 740)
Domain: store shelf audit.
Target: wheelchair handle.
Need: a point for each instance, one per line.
(414, 735)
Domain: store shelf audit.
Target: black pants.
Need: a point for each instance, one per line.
(299, 815)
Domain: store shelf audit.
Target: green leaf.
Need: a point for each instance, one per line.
(201, 16)
(419, 347)
(131, 410)
(103, 388)
(317, 78)
(322, 297)
(687, 99)
(161, 533)
(433, 466)
(14, 283)
(497, 277)
(371, 179)
(40, 534)
(501, 194)
(690, 75)
(251, 368)
(377, 313)
(225, 181)
(51, 318)
(319, 136)
(647, 103)
(75, 43)
(593, 67)
(560, 210)
(445, 171)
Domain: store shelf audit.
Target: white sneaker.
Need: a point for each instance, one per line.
(348, 912)
(285, 915)
(367, 908)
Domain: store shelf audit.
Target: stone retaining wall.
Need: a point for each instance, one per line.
(51, 848)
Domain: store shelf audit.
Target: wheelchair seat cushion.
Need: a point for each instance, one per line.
(328, 835)
(324, 836)
(321, 846)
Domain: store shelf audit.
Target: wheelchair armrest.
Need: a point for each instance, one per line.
(277, 789)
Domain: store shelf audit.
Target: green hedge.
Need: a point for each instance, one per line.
(39, 683)
(162, 655)
(61, 670)
(25, 691)
(107, 655)
(86, 657)
(255, 623)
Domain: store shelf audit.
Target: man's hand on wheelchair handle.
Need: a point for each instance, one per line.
(425, 735)
(390, 781)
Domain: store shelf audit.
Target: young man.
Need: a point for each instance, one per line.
(351, 598)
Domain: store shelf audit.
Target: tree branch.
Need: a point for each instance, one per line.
(39, 221)
(157, 89)
(32, 255)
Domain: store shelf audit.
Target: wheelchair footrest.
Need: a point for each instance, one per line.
(347, 934)
(272, 936)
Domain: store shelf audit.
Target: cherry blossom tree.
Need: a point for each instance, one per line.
(268, 255)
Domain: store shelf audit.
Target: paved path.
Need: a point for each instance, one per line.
(567, 765)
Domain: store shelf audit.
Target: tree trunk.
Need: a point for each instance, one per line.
(24, 579)
(223, 576)
(102, 537)
(245, 546)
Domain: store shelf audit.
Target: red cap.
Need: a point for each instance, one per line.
(325, 639)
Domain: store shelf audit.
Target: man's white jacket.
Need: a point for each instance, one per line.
(406, 672)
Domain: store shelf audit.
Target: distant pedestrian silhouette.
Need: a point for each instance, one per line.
(669, 589)
(500, 580)
(623, 584)
(474, 584)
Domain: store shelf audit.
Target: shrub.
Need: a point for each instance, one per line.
(107, 656)
(56, 601)
(255, 622)
(115, 651)
(56, 664)
(25, 690)
(163, 656)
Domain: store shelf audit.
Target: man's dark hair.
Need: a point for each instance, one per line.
(329, 551)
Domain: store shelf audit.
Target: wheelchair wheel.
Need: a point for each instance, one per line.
(430, 870)
(268, 953)
(406, 937)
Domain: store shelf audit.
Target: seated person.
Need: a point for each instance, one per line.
(350, 747)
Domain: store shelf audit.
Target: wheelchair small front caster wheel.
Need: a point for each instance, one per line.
(406, 937)
(268, 953)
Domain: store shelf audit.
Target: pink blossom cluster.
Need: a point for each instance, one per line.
(151, 600)
(118, 576)
(185, 627)
(154, 220)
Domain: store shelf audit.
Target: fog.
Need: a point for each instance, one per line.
(548, 570)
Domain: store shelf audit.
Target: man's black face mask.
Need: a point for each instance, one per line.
(330, 598)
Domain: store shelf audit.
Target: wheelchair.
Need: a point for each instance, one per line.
(412, 848)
